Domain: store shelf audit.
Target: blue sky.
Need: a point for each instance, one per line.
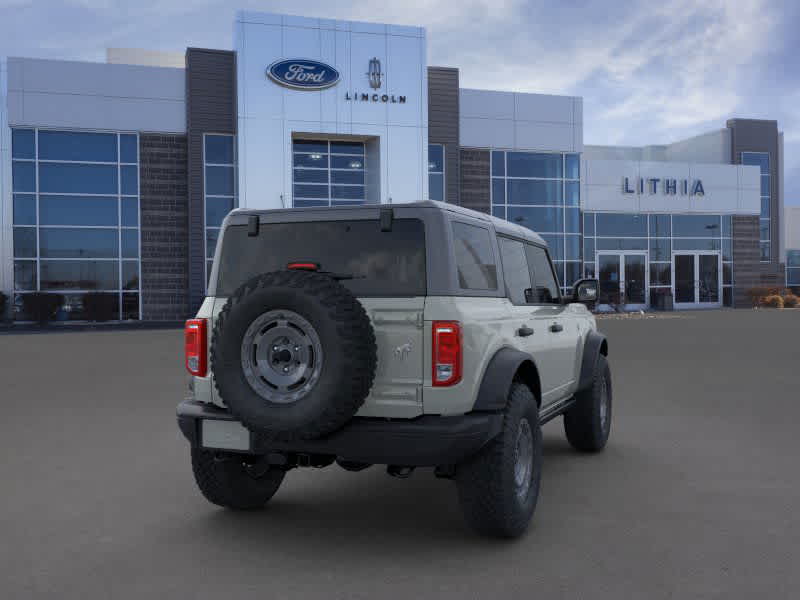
(649, 72)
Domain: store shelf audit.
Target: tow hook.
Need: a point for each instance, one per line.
(399, 471)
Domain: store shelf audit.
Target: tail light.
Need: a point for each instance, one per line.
(446, 353)
(195, 347)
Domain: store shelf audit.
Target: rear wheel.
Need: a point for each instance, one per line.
(227, 479)
(498, 488)
(588, 422)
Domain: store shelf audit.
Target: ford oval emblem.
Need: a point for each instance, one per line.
(303, 74)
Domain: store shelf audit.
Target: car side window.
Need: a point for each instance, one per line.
(545, 285)
(477, 268)
(515, 270)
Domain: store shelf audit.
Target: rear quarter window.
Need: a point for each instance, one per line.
(380, 263)
(477, 267)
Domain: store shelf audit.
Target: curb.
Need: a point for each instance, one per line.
(33, 328)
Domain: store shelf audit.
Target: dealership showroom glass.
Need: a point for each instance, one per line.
(115, 176)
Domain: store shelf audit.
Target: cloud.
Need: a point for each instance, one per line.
(649, 72)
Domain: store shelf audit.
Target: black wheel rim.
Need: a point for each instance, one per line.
(523, 459)
(281, 356)
(604, 408)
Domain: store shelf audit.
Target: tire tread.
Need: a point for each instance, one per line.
(485, 482)
(226, 483)
(582, 421)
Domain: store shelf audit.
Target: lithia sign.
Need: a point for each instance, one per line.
(667, 186)
(306, 74)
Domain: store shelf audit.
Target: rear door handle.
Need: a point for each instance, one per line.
(524, 331)
(556, 327)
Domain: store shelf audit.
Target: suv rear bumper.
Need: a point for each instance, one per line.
(429, 440)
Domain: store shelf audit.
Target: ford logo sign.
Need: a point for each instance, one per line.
(303, 74)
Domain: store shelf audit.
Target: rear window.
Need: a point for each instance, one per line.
(382, 263)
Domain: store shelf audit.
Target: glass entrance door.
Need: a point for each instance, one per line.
(708, 279)
(610, 278)
(635, 280)
(697, 279)
(684, 279)
(623, 279)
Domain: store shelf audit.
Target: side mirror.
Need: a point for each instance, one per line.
(586, 291)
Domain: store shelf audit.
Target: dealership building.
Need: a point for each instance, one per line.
(115, 176)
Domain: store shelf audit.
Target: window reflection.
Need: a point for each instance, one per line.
(79, 275)
(436, 172)
(78, 146)
(77, 210)
(220, 184)
(78, 243)
(660, 235)
(67, 236)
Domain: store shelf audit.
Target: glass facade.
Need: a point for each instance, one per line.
(793, 268)
(541, 191)
(76, 214)
(219, 167)
(659, 236)
(327, 173)
(76, 219)
(761, 160)
(436, 172)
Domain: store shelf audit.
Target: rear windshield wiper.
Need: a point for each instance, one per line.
(342, 276)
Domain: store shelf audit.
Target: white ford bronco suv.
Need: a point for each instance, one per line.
(411, 335)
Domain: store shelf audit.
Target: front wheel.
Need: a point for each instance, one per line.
(588, 422)
(227, 479)
(498, 488)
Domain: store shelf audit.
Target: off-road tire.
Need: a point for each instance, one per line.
(224, 480)
(586, 430)
(346, 337)
(486, 483)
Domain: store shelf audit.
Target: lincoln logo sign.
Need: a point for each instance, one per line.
(302, 74)
(374, 74)
(667, 186)
(375, 78)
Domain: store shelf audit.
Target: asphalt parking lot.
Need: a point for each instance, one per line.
(696, 496)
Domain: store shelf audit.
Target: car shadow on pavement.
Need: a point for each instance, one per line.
(347, 512)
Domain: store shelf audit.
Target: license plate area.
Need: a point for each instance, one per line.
(224, 435)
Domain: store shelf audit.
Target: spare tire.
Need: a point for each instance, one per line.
(293, 354)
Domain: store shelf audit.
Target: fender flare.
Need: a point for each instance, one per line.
(595, 345)
(497, 378)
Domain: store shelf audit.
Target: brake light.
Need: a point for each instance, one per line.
(195, 346)
(302, 266)
(446, 353)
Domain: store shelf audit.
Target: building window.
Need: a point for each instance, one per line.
(219, 171)
(659, 235)
(793, 268)
(761, 160)
(436, 172)
(76, 219)
(327, 173)
(541, 191)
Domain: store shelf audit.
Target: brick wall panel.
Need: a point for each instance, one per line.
(475, 182)
(164, 227)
